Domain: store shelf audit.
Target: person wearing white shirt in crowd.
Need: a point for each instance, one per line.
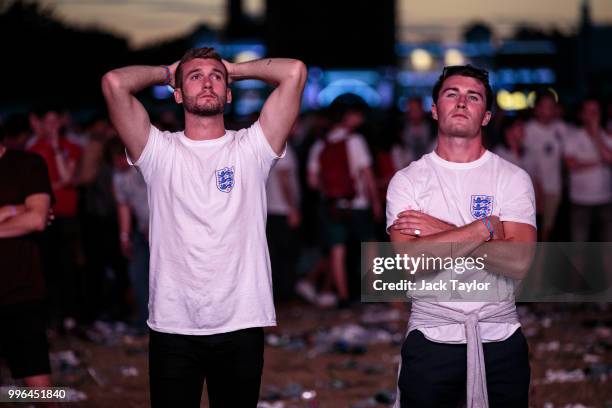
(284, 218)
(544, 136)
(210, 284)
(463, 193)
(588, 156)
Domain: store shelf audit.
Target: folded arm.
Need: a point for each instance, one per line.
(33, 218)
(9, 211)
(471, 240)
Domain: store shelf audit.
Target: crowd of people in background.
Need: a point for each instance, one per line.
(95, 251)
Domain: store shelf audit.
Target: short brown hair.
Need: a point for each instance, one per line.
(203, 53)
(480, 75)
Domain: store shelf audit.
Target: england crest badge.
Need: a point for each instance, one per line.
(225, 179)
(481, 206)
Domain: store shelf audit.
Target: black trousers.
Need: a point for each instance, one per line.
(231, 363)
(434, 374)
(283, 243)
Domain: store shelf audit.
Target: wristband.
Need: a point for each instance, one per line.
(168, 75)
(489, 228)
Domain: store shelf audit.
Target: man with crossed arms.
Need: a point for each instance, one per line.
(463, 193)
(210, 283)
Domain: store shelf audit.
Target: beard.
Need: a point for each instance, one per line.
(462, 130)
(208, 107)
(459, 131)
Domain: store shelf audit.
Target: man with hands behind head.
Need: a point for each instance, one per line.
(210, 283)
(463, 193)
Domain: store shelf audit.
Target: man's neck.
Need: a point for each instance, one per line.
(460, 149)
(204, 127)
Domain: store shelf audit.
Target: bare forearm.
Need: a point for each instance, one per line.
(134, 79)
(455, 242)
(273, 71)
(9, 211)
(474, 233)
(125, 219)
(124, 216)
(313, 180)
(371, 187)
(65, 168)
(22, 224)
(510, 256)
(507, 258)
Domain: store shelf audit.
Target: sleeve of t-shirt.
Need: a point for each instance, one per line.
(148, 161)
(517, 203)
(266, 156)
(400, 197)
(359, 152)
(38, 180)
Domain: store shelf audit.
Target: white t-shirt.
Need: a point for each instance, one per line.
(592, 186)
(209, 266)
(445, 190)
(358, 158)
(277, 204)
(544, 147)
